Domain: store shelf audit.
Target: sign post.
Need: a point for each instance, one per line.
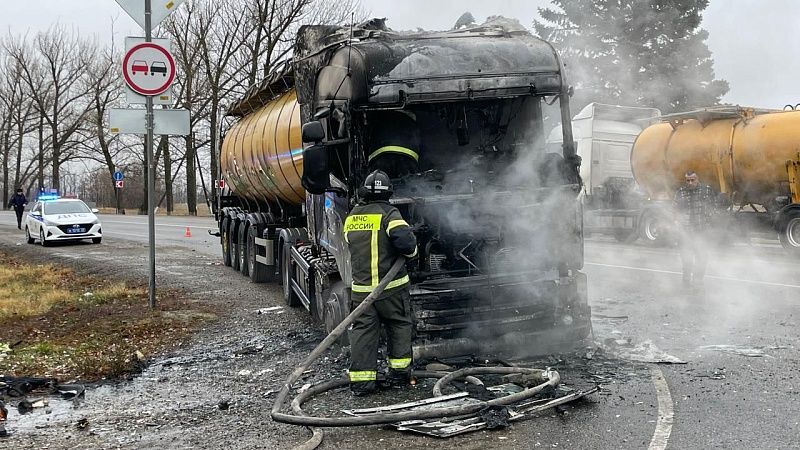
(151, 218)
(149, 70)
(118, 183)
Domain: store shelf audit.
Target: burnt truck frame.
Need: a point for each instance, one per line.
(507, 277)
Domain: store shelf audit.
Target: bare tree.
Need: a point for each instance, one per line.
(16, 121)
(53, 74)
(104, 87)
(187, 36)
(225, 36)
(272, 26)
(243, 41)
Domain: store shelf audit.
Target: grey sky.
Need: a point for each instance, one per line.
(753, 41)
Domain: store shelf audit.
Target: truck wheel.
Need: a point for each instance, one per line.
(259, 273)
(244, 268)
(789, 231)
(653, 228)
(226, 253)
(337, 308)
(233, 244)
(287, 272)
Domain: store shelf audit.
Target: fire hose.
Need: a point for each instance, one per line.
(549, 378)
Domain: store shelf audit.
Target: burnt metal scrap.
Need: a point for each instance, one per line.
(493, 417)
(21, 386)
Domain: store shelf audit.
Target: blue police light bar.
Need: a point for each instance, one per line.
(45, 197)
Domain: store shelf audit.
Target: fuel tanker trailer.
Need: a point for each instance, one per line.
(458, 120)
(751, 157)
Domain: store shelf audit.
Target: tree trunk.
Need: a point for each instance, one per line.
(191, 176)
(146, 173)
(6, 153)
(41, 154)
(18, 163)
(55, 158)
(167, 174)
(216, 147)
(202, 180)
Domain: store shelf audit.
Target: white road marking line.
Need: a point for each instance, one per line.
(665, 412)
(157, 224)
(766, 283)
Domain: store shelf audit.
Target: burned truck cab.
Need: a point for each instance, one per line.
(458, 120)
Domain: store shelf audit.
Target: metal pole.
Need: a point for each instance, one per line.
(151, 220)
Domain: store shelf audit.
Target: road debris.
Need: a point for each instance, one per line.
(82, 423)
(495, 417)
(3, 416)
(24, 407)
(21, 386)
(717, 374)
(71, 391)
(752, 352)
(271, 309)
(645, 351)
(489, 418)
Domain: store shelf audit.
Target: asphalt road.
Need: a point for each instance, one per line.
(170, 230)
(737, 337)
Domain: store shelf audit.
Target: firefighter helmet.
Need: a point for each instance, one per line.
(378, 184)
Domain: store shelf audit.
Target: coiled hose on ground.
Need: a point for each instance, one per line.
(549, 378)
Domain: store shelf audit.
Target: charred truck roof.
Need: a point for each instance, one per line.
(382, 68)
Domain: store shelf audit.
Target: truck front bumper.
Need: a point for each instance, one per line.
(512, 315)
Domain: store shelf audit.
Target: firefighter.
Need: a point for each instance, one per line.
(376, 235)
(18, 202)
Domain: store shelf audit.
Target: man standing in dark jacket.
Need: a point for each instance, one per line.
(18, 202)
(376, 235)
(695, 204)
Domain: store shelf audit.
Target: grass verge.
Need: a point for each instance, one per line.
(55, 323)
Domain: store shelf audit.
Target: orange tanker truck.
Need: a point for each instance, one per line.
(750, 156)
(458, 119)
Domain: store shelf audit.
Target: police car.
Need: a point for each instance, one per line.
(54, 219)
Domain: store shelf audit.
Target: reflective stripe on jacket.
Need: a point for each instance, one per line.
(376, 234)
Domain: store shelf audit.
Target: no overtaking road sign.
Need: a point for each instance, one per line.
(148, 68)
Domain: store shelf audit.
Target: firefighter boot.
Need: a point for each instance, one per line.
(399, 378)
(363, 388)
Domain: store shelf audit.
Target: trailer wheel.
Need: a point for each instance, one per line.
(259, 273)
(653, 228)
(289, 296)
(789, 231)
(233, 244)
(226, 254)
(244, 268)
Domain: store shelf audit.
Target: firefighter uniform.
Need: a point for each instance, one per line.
(376, 235)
